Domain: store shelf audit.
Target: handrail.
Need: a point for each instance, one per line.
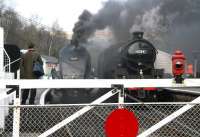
(8, 60)
(12, 62)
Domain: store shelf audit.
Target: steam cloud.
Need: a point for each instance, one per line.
(168, 24)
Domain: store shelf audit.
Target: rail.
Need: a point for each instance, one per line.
(12, 62)
(6, 61)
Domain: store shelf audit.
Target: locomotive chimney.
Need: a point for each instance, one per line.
(138, 35)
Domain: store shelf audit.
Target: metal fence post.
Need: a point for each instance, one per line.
(16, 109)
(121, 95)
(16, 114)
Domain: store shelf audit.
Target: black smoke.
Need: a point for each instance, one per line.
(83, 29)
(169, 24)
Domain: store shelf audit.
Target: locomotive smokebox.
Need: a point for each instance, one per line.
(138, 35)
(178, 66)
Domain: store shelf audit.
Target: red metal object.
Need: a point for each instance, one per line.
(134, 89)
(146, 89)
(121, 123)
(178, 63)
(150, 89)
(190, 69)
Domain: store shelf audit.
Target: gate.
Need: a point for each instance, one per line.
(155, 119)
(35, 120)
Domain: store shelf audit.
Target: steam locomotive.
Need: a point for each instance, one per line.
(132, 60)
(75, 62)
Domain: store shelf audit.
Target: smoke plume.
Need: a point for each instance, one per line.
(168, 24)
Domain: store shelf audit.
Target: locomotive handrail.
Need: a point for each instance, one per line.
(99, 83)
(42, 97)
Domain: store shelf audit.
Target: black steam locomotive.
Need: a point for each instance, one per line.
(132, 60)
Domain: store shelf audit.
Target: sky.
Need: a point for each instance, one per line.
(65, 12)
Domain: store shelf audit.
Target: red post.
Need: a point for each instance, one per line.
(190, 71)
(178, 66)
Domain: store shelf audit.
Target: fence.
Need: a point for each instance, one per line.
(34, 120)
(7, 62)
(45, 121)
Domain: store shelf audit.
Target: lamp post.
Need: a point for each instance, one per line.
(196, 54)
(51, 42)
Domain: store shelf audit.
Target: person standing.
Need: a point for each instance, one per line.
(26, 71)
(54, 73)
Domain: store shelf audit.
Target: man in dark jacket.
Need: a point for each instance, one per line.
(26, 70)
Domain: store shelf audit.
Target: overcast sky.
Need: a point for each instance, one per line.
(65, 12)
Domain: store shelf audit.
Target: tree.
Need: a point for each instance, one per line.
(22, 31)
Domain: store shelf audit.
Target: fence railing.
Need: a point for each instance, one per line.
(7, 62)
(155, 119)
(34, 120)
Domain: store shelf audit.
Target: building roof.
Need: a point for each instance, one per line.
(163, 61)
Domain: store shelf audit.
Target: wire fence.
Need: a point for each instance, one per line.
(34, 120)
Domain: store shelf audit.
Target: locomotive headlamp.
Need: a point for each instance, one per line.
(178, 66)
